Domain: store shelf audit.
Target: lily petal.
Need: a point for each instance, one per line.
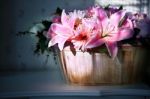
(102, 14)
(50, 33)
(94, 42)
(112, 49)
(67, 21)
(57, 39)
(53, 41)
(121, 34)
(62, 43)
(77, 45)
(125, 33)
(89, 24)
(64, 18)
(61, 30)
(116, 17)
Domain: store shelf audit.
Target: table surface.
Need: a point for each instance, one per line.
(51, 83)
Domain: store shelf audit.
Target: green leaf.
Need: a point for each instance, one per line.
(107, 7)
(47, 24)
(58, 11)
(121, 7)
(103, 49)
(24, 33)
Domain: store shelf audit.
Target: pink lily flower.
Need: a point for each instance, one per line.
(84, 33)
(109, 32)
(62, 31)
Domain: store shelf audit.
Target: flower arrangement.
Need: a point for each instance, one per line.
(98, 26)
(106, 29)
(90, 28)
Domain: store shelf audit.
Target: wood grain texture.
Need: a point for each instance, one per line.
(95, 68)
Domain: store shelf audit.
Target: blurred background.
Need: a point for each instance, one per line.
(16, 53)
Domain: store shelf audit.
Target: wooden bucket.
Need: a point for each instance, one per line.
(95, 68)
